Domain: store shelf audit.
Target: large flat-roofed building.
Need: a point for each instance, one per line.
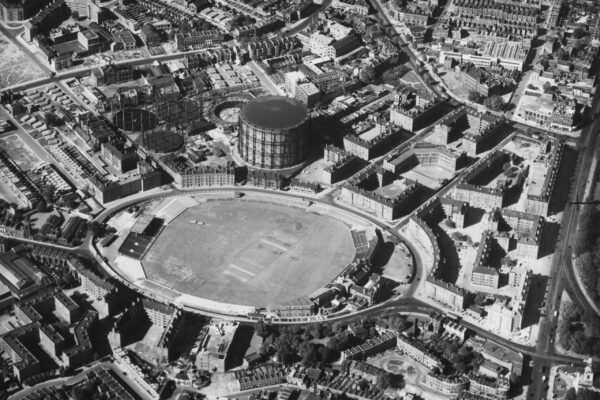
(477, 196)
(502, 318)
(455, 210)
(20, 274)
(525, 234)
(371, 142)
(20, 10)
(506, 316)
(408, 15)
(374, 375)
(439, 156)
(482, 274)
(417, 350)
(425, 154)
(371, 347)
(352, 6)
(14, 179)
(308, 93)
(198, 39)
(11, 10)
(319, 44)
(445, 293)
(380, 206)
(37, 315)
(345, 45)
(159, 314)
(85, 8)
(81, 352)
(93, 285)
(477, 80)
(216, 346)
(546, 111)
(485, 386)
(186, 176)
(339, 31)
(485, 276)
(502, 355)
(111, 74)
(297, 308)
(542, 179)
(445, 384)
(122, 158)
(15, 343)
(414, 118)
(43, 305)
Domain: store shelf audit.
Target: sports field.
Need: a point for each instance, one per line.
(249, 253)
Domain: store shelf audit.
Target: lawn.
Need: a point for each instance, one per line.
(249, 253)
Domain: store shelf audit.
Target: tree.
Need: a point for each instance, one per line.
(317, 331)
(367, 74)
(395, 381)
(48, 192)
(571, 394)
(52, 119)
(41, 206)
(263, 330)
(579, 33)
(494, 102)
(363, 385)
(97, 228)
(450, 224)
(587, 394)
(580, 343)
(474, 96)
(334, 343)
(284, 348)
(562, 54)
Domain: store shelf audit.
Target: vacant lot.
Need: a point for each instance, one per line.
(11, 57)
(20, 152)
(249, 253)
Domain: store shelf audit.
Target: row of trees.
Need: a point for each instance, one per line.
(582, 394)
(494, 101)
(579, 330)
(587, 250)
(318, 344)
(296, 343)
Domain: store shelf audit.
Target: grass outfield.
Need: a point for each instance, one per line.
(249, 253)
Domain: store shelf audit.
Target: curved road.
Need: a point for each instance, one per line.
(404, 304)
(565, 277)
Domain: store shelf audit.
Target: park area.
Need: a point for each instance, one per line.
(11, 56)
(248, 252)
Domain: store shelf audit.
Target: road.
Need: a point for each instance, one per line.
(564, 278)
(10, 35)
(412, 58)
(543, 354)
(402, 305)
(85, 71)
(302, 24)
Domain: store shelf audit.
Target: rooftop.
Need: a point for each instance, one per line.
(274, 112)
